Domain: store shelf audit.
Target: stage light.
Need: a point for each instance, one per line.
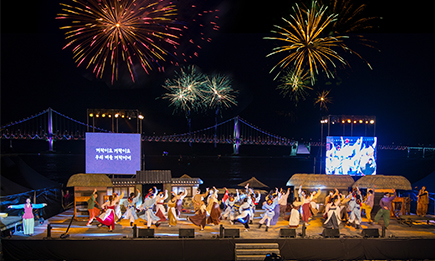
(342, 121)
(98, 115)
(367, 122)
(110, 115)
(360, 121)
(103, 115)
(116, 115)
(122, 116)
(348, 121)
(91, 115)
(354, 122)
(372, 121)
(140, 117)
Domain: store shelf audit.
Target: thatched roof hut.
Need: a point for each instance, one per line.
(314, 181)
(89, 180)
(383, 182)
(253, 183)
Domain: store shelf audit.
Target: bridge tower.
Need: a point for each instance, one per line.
(236, 136)
(50, 130)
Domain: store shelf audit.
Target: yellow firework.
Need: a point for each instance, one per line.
(304, 43)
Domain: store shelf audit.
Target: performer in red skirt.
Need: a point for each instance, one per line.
(108, 218)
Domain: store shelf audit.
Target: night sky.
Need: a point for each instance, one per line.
(36, 73)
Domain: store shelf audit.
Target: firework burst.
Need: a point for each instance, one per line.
(219, 93)
(302, 39)
(323, 99)
(185, 91)
(295, 85)
(106, 33)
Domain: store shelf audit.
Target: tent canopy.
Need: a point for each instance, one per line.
(253, 183)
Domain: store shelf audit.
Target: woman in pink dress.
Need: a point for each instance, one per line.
(28, 218)
(108, 218)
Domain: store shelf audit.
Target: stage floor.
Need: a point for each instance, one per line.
(78, 229)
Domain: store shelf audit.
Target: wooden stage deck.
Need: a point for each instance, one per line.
(92, 243)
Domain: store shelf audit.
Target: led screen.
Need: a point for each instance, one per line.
(350, 155)
(113, 153)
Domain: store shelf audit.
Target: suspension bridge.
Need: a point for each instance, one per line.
(51, 125)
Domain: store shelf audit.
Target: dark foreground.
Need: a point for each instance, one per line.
(401, 242)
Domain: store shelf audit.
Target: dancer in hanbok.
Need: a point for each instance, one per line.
(118, 213)
(422, 201)
(294, 218)
(367, 205)
(160, 207)
(355, 208)
(332, 210)
(269, 206)
(28, 218)
(230, 211)
(306, 213)
(200, 217)
(275, 196)
(108, 217)
(283, 201)
(92, 208)
(245, 214)
(172, 211)
(213, 208)
(253, 202)
(130, 206)
(198, 198)
(179, 203)
(147, 206)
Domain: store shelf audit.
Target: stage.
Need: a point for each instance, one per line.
(401, 242)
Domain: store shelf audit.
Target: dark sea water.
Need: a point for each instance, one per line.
(216, 166)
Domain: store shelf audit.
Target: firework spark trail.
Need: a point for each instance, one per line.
(302, 38)
(323, 99)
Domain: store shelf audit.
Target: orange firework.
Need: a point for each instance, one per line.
(106, 33)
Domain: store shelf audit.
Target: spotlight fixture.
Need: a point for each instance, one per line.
(140, 117)
(91, 115)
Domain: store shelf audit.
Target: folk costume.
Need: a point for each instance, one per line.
(269, 206)
(385, 209)
(28, 218)
(172, 211)
(355, 207)
(130, 206)
(332, 210)
(92, 209)
(422, 201)
(200, 217)
(245, 214)
(179, 202)
(367, 205)
(160, 208)
(108, 217)
(147, 206)
(213, 208)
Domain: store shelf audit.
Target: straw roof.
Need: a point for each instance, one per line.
(313, 181)
(384, 182)
(89, 180)
(253, 183)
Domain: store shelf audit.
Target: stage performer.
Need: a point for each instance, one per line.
(422, 201)
(224, 198)
(283, 201)
(147, 206)
(332, 210)
(179, 203)
(172, 211)
(130, 206)
(118, 213)
(269, 206)
(28, 218)
(230, 211)
(213, 208)
(198, 198)
(108, 218)
(367, 205)
(160, 208)
(200, 217)
(253, 202)
(275, 196)
(355, 208)
(92, 207)
(306, 213)
(385, 205)
(245, 214)
(294, 218)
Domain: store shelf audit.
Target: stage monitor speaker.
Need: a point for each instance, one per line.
(331, 232)
(370, 232)
(186, 233)
(145, 233)
(234, 233)
(286, 232)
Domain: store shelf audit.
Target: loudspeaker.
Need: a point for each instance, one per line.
(370, 232)
(145, 233)
(186, 233)
(330, 232)
(285, 232)
(234, 233)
